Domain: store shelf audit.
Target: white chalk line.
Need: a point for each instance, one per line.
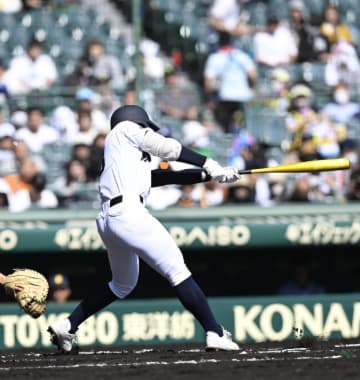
(105, 352)
(165, 363)
(347, 345)
(30, 357)
(279, 350)
(283, 359)
(283, 350)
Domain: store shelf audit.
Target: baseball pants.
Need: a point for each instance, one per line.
(129, 231)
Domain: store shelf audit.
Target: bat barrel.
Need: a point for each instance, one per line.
(306, 166)
(331, 164)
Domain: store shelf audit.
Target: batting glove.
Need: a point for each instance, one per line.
(219, 173)
(231, 175)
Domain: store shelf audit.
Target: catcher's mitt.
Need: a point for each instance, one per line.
(30, 289)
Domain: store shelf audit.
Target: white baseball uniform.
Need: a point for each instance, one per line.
(128, 230)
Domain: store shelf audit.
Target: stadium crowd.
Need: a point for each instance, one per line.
(50, 156)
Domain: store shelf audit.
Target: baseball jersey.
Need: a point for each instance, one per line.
(127, 160)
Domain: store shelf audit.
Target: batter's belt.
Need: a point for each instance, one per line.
(119, 199)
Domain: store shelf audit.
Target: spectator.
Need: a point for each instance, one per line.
(129, 97)
(7, 154)
(96, 157)
(4, 203)
(38, 195)
(86, 132)
(18, 118)
(21, 180)
(177, 96)
(313, 134)
(37, 133)
(209, 194)
(277, 186)
(176, 58)
(196, 134)
(350, 150)
(82, 152)
(242, 191)
(29, 5)
(341, 109)
(279, 90)
(354, 185)
(153, 62)
(63, 120)
(60, 289)
(33, 70)
(301, 283)
(186, 198)
(262, 191)
(16, 184)
(22, 153)
(66, 187)
(100, 67)
(7, 83)
(301, 191)
(276, 46)
(241, 155)
(316, 188)
(88, 100)
(12, 6)
(343, 65)
(225, 16)
(223, 68)
(251, 188)
(310, 43)
(80, 76)
(331, 27)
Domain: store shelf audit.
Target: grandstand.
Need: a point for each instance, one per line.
(65, 28)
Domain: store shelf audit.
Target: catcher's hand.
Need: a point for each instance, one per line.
(30, 289)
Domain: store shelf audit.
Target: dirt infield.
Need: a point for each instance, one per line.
(287, 360)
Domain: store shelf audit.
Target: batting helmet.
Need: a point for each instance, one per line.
(133, 113)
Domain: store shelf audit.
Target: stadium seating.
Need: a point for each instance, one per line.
(55, 157)
(265, 125)
(64, 32)
(353, 130)
(182, 24)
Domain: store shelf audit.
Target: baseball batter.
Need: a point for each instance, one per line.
(130, 232)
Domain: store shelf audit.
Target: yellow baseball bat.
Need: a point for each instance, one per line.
(305, 166)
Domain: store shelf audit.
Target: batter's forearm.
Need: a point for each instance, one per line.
(2, 279)
(189, 156)
(160, 177)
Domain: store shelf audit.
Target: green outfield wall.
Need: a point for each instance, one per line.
(223, 227)
(144, 322)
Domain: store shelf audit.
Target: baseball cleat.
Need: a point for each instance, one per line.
(216, 342)
(60, 335)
